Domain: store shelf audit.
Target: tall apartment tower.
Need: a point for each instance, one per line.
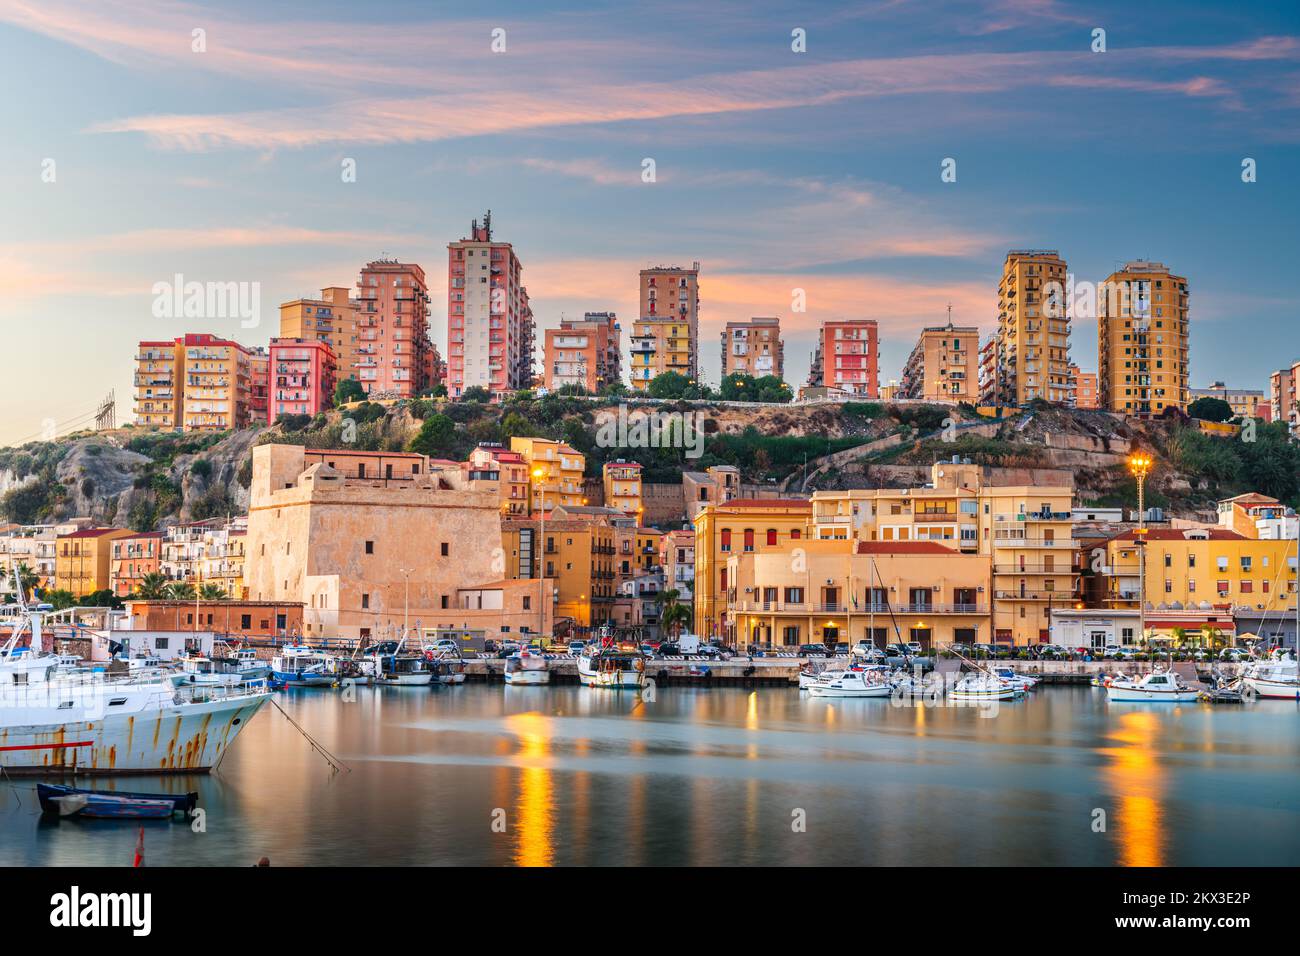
(331, 319)
(585, 352)
(1142, 340)
(489, 321)
(944, 365)
(666, 336)
(847, 357)
(753, 348)
(1282, 395)
(1031, 349)
(392, 329)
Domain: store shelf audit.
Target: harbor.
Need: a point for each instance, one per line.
(711, 776)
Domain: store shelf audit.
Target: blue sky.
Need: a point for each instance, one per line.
(776, 170)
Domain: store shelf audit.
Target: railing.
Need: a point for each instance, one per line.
(1065, 596)
(1031, 569)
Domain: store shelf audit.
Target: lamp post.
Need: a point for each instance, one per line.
(406, 603)
(540, 473)
(1140, 465)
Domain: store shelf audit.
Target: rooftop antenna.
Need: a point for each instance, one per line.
(487, 226)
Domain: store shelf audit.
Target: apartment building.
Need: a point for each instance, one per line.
(1245, 402)
(846, 358)
(33, 546)
(1282, 396)
(303, 373)
(1085, 387)
(585, 353)
(561, 470)
(677, 556)
(715, 485)
(490, 327)
(83, 559)
(575, 553)
(216, 377)
(159, 384)
(1253, 515)
(1189, 568)
(753, 348)
(392, 320)
(1142, 340)
(494, 462)
(331, 319)
(1030, 351)
(943, 366)
(133, 558)
(622, 485)
(259, 387)
(666, 334)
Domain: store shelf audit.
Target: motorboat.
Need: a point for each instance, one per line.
(64, 801)
(397, 669)
(300, 666)
(981, 685)
(1019, 681)
(852, 683)
(1274, 678)
(355, 670)
(526, 667)
(197, 669)
(1165, 686)
(616, 668)
(245, 663)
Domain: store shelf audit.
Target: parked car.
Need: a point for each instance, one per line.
(984, 650)
(444, 644)
(576, 647)
(506, 648)
(915, 649)
(813, 650)
(1234, 654)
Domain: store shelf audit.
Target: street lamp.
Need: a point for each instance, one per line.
(406, 604)
(1140, 465)
(539, 474)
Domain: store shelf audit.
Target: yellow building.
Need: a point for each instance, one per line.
(658, 346)
(577, 554)
(1195, 565)
(1023, 532)
(1029, 353)
(217, 384)
(622, 480)
(1142, 340)
(648, 541)
(944, 366)
(842, 590)
(332, 318)
(511, 471)
(555, 472)
(1244, 402)
(84, 559)
(159, 385)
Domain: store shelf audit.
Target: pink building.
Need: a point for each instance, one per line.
(259, 382)
(489, 321)
(392, 329)
(303, 374)
(847, 357)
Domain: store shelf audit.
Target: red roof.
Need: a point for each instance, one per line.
(1180, 534)
(92, 532)
(904, 547)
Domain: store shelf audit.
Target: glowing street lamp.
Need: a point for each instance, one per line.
(1140, 465)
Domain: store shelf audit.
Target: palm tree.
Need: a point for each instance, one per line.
(672, 614)
(213, 592)
(27, 580)
(152, 587)
(180, 591)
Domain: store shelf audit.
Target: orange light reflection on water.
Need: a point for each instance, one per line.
(1138, 783)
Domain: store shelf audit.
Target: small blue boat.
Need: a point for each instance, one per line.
(112, 804)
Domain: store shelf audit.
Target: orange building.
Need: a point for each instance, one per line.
(332, 319)
(1032, 342)
(83, 560)
(847, 358)
(944, 365)
(242, 618)
(1085, 387)
(510, 471)
(1142, 340)
(585, 353)
(753, 348)
(667, 333)
(133, 558)
(392, 329)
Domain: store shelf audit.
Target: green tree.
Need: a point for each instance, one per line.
(669, 385)
(180, 591)
(476, 393)
(436, 437)
(348, 390)
(1211, 409)
(673, 615)
(737, 387)
(60, 599)
(152, 587)
(211, 591)
(771, 389)
(27, 579)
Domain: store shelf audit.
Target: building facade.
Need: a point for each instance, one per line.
(303, 375)
(943, 366)
(133, 558)
(846, 358)
(1282, 395)
(1085, 388)
(490, 324)
(753, 348)
(509, 470)
(84, 560)
(622, 486)
(666, 334)
(555, 472)
(585, 353)
(331, 319)
(1030, 348)
(1142, 340)
(1245, 402)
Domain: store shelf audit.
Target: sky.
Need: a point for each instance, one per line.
(135, 152)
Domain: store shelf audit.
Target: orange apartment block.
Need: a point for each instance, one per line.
(133, 558)
(944, 365)
(847, 358)
(392, 329)
(1085, 387)
(332, 318)
(667, 333)
(1031, 350)
(1142, 340)
(622, 484)
(197, 382)
(753, 348)
(585, 353)
(508, 468)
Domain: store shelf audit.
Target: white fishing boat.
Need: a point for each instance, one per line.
(447, 667)
(302, 666)
(814, 671)
(1019, 681)
(613, 668)
(245, 663)
(197, 669)
(979, 686)
(867, 682)
(1274, 679)
(1161, 686)
(526, 668)
(393, 668)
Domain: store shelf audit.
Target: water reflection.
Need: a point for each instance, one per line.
(1136, 780)
(534, 808)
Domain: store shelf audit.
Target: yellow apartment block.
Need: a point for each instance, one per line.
(944, 365)
(577, 554)
(1142, 340)
(1030, 349)
(159, 385)
(84, 559)
(658, 346)
(1197, 566)
(555, 472)
(332, 318)
(622, 481)
(839, 590)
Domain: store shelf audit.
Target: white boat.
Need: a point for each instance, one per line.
(302, 666)
(1163, 686)
(447, 668)
(814, 671)
(197, 669)
(526, 668)
(613, 668)
(92, 723)
(982, 686)
(852, 683)
(396, 669)
(1019, 681)
(1274, 679)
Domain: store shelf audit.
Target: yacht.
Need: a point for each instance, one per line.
(526, 668)
(1163, 686)
(1273, 678)
(394, 668)
(1018, 681)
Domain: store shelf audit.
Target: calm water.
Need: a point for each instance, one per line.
(712, 776)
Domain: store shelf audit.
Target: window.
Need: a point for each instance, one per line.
(370, 547)
(1247, 587)
(365, 600)
(1169, 560)
(749, 539)
(160, 643)
(771, 536)
(795, 534)
(245, 621)
(794, 595)
(445, 549)
(445, 602)
(726, 539)
(528, 602)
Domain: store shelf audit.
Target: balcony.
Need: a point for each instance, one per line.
(1063, 596)
(1045, 516)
